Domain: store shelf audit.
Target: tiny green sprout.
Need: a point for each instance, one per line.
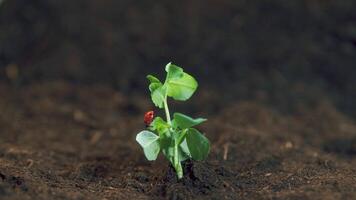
(176, 138)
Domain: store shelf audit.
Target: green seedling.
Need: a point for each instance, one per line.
(176, 138)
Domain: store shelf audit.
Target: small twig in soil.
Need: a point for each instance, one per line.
(226, 150)
(29, 163)
(96, 137)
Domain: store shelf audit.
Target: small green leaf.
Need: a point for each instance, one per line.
(150, 144)
(182, 155)
(159, 125)
(184, 121)
(153, 79)
(180, 85)
(151, 152)
(169, 154)
(184, 147)
(145, 138)
(198, 144)
(158, 94)
(173, 71)
(154, 86)
(174, 124)
(158, 91)
(167, 146)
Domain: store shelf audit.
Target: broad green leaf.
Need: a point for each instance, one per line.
(160, 125)
(153, 79)
(181, 88)
(198, 144)
(158, 94)
(184, 121)
(150, 144)
(180, 85)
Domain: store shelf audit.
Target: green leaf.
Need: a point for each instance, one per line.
(158, 93)
(151, 152)
(198, 144)
(180, 85)
(173, 71)
(167, 145)
(153, 79)
(154, 86)
(182, 155)
(145, 138)
(185, 148)
(159, 125)
(169, 153)
(184, 121)
(150, 144)
(174, 124)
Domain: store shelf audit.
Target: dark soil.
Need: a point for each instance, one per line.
(61, 141)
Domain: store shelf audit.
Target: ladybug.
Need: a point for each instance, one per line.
(148, 118)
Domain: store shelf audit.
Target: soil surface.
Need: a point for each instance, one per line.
(62, 141)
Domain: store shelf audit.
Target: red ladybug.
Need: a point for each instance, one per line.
(148, 118)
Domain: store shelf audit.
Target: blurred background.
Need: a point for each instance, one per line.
(281, 53)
